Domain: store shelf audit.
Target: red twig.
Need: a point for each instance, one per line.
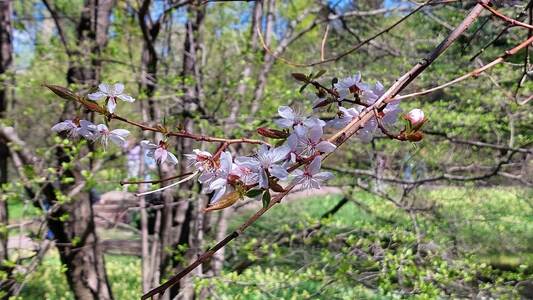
(506, 18)
(473, 73)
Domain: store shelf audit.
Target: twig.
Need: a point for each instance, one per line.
(338, 57)
(157, 180)
(473, 73)
(507, 19)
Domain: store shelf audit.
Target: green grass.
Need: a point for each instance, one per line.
(492, 228)
(49, 282)
(18, 210)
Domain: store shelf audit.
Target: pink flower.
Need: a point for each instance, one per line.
(101, 132)
(159, 153)
(111, 92)
(74, 128)
(415, 117)
(201, 160)
(311, 177)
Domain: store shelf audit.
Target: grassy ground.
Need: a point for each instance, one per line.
(476, 233)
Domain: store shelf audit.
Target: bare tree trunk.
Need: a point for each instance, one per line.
(247, 72)
(189, 224)
(6, 50)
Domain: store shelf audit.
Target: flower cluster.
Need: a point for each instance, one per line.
(296, 159)
(83, 128)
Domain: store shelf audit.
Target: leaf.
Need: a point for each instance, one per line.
(303, 87)
(266, 198)
(254, 193)
(319, 74)
(300, 77)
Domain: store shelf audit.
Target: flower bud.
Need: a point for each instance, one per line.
(415, 136)
(416, 118)
(226, 201)
(272, 133)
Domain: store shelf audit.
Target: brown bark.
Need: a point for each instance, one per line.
(185, 217)
(6, 50)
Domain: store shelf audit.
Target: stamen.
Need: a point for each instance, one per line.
(168, 186)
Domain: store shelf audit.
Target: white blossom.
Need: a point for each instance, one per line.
(350, 85)
(220, 185)
(293, 119)
(312, 141)
(111, 92)
(74, 129)
(202, 160)
(159, 152)
(391, 113)
(348, 114)
(311, 177)
(102, 133)
(265, 162)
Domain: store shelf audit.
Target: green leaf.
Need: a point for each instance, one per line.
(303, 87)
(266, 198)
(320, 73)
(254, 193)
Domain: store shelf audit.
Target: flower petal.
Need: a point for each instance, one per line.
(218, 194)
(148, 145)
(172, 157)
(160, 155)
(118, 88)
(323, 176)
(104, 88)
(117, 140)
(284, 123)
(120, 132)
(286, 112)
(314, 166)
(218, 184)
(315, 134)
(279, 153)
(111, 105)
(96, 96)
(278, 172)
(326, 147)
(126, 98)
(62, 126)
(263, 179)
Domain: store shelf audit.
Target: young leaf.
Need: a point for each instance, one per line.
(253, 193)
(266, 198)
(303, 87)
(320, 73)
(300, 77)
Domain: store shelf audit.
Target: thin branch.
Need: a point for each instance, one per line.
(505, 18)
(473, 73)
(340, 56)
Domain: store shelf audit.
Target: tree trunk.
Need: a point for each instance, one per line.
(6, 50)
(188, 220)
(76, 237)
